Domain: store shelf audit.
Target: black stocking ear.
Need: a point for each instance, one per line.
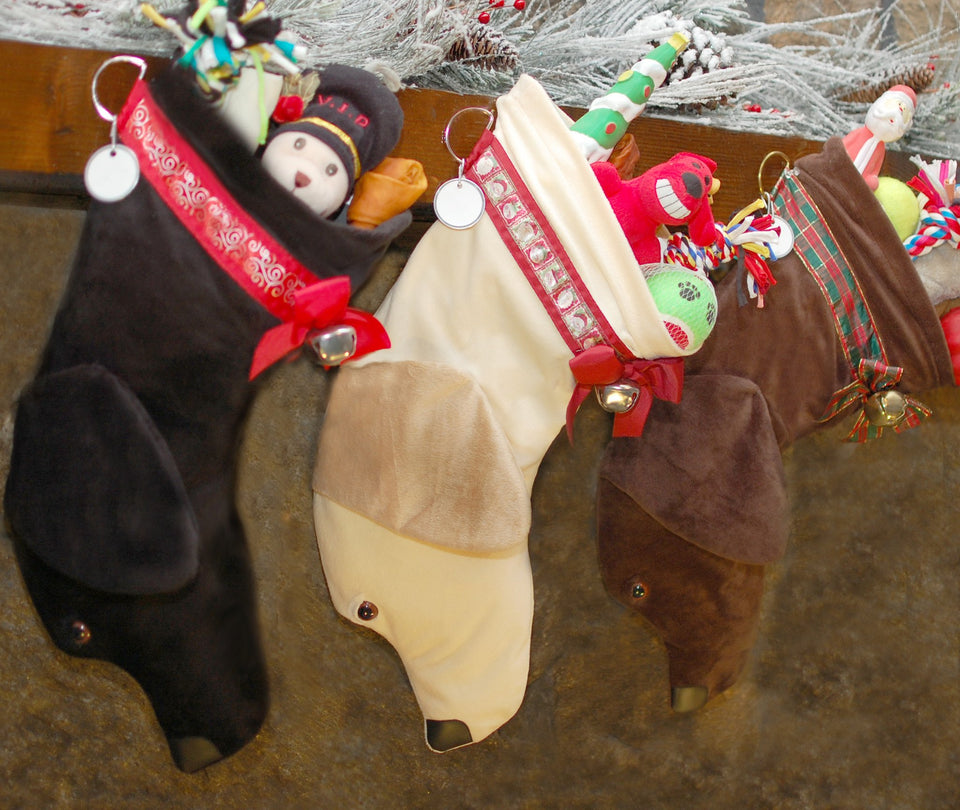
(93, 489)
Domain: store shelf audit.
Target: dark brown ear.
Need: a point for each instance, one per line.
(93, 489)
(709, 469)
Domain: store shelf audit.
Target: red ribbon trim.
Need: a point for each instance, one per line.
(316, 307)
(538, 250)
(600, 365)
(231, 236)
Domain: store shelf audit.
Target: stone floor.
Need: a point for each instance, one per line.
(851, 700)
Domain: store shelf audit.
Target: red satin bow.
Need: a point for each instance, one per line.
(316, 307)
(600, 365)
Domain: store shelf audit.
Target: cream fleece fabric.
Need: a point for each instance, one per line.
(460, 622)
(430, 448)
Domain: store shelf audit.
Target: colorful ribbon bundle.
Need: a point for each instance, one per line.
(217, 40)
(746, 237)
(940, 219)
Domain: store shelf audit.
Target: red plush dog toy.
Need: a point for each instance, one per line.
(676, 192)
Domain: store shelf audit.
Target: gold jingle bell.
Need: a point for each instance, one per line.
(335, 345)
(618, 397)
(885, 408)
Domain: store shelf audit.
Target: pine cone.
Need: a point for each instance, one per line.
(708, 51)
(917, 77)
(484, 47)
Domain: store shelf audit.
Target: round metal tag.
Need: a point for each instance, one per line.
(111, 173)
(459, 203)
(784, 244)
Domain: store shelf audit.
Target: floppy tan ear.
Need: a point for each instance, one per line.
(93, 489)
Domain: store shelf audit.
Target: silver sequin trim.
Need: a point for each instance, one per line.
(534, 245)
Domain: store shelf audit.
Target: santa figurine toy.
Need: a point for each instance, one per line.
(888, 120)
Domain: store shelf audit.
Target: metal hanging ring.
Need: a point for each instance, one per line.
(457, 114)
(102, 111)
(763, 163)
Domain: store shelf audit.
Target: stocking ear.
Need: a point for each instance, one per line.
(701, 226)
(709, 470)
(93, 489)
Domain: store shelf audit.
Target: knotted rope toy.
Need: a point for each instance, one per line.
(747, 238)
(940, 218)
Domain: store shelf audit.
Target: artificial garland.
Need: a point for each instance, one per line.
(810, 78)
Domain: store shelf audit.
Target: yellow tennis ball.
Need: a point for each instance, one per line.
(900, 204)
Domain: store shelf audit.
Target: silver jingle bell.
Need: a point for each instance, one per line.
(334, 345)
(618, 397)
(885, 408)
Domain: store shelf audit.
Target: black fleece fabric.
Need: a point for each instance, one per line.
(121, 493)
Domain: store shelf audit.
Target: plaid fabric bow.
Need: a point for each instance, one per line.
(873, 376)
(316, 307)
(599, 365)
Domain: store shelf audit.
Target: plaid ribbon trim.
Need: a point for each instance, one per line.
(817, 248)
(538, 251)
(822, 256)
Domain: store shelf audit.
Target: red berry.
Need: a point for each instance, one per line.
(519, 5)
(483, 17)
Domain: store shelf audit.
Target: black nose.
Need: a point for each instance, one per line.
(445, 735)
(693, 184)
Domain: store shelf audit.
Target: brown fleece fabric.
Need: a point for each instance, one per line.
(705, 478)
(705, 607)
(711, 472)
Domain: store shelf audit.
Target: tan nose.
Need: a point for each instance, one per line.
(300, 180)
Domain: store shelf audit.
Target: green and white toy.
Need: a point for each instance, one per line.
(599, 129)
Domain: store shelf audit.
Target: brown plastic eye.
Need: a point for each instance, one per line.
(367, 611)
(79, 633)
(299, 143)
(638, 591)
(331, 169)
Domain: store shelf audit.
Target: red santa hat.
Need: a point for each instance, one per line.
(906, 93)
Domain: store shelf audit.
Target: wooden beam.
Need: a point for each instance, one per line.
(48, 129)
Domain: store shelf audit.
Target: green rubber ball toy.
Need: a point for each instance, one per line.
(686, 301)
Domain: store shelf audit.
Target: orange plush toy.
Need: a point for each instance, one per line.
(676, 192)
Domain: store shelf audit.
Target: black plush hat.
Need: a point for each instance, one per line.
(353, 113)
